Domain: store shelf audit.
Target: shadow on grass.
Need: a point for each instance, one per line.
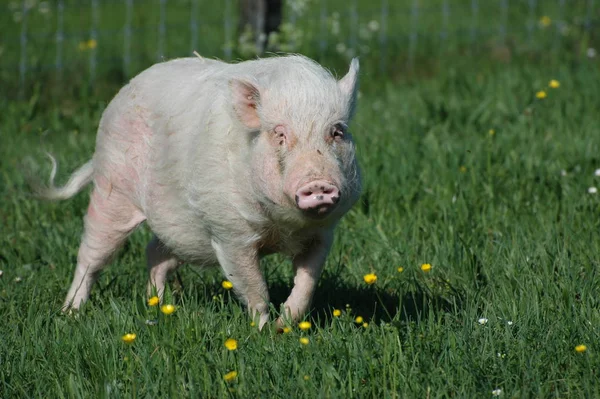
(372, 303)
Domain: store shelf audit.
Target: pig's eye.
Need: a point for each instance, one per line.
(337, 132)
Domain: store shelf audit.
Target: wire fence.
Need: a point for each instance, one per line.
(110, 39)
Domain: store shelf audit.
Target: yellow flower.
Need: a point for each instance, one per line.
(305, 325)
(231, 344)
(365, 324)
(153, 301)
(370, 278)
(491, 132)
(232, 375)
(167, 309)
(400, 269)
(545, 21)
(227, 285)
(426, 267)
(128, 338)
(462, 169)
(286, 330)
(541, 94)
(252, 324)
(306, 378)
(554, 84)
(87, 45)
(359, 320)
(304, 341)
(337, 313)
(580, 348)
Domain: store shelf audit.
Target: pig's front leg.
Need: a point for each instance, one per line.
(241, 266)
(308, 266)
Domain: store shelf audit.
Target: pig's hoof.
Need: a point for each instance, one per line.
(279, 330)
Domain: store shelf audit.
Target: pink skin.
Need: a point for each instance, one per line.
(317, 197)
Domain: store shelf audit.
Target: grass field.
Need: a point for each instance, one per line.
(464, 169)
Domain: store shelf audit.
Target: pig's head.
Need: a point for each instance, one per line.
(301, 154)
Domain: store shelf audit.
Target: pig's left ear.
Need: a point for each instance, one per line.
(246, 99)
(349, 86)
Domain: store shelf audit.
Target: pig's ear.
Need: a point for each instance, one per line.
(246, 99)
(349, 86)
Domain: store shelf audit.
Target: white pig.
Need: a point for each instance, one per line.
(226, 163)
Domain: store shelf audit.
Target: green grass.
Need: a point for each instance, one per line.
(509, 238)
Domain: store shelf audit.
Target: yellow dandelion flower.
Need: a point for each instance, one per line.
(231, 344)
(306, 378)
(426, 267)
(286, 330)
(252, 324)
(304, 341)
(580, 348)
(545, 21)
(128, 338)
(541, 95)
(370, 278)
(491, 132)
(365, 324)
(359, 320)
(462, 169)
(554, 84)
(305, 325)
(227, 284)
(337, 313)
(232, 375)
(153, 301)
(167, 309)
(91, 44)
(400, 269)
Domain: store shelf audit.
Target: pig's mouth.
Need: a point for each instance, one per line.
(318, 198)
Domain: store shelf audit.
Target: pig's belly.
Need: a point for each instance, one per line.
(181, 230)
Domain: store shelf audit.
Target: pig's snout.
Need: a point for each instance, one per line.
(317, 197)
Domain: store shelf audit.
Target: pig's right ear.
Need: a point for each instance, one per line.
(246, 99)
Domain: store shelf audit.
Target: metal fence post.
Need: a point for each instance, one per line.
(60, 37)
(162, 30)
(23, 43)
(194, 26)
(127, 39)
(383, 37)
(94, 40)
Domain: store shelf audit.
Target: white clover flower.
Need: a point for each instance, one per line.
(563, 172)
(482, 321)
(373, 25)
(340, 48)
(44, 7)
(597, 172)
(592, 190)
(510, 323)
(591, 52)
(497, 392)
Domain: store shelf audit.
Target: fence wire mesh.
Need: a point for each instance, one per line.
(107, 39)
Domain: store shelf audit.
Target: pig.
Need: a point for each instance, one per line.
(226, 163)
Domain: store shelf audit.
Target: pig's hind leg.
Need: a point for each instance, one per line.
(160, 263)
(110, 218)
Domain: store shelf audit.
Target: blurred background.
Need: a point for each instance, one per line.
(69, 48)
